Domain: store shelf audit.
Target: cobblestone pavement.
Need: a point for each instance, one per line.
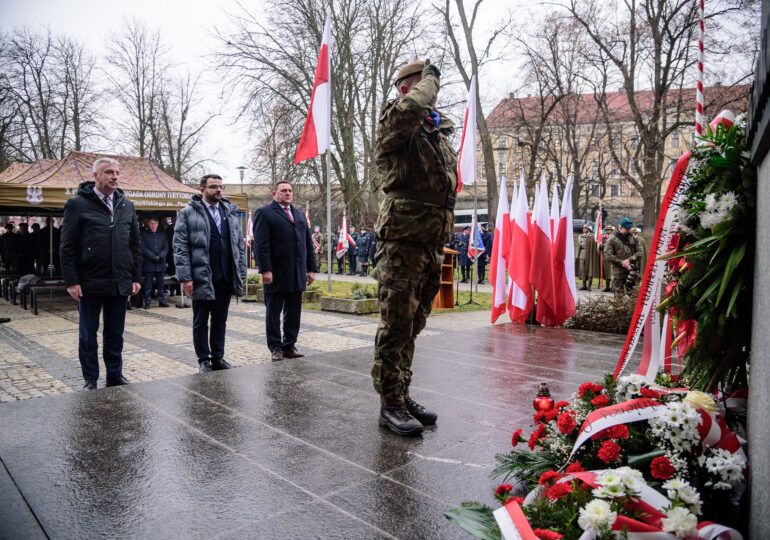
(39, 354)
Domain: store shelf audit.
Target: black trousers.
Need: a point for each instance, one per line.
(482, 270)
(114, 309)
(291, 306)
(352, 262)
(210, 345)
(341, 265)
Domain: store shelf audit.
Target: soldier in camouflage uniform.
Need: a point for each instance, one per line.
(418, 174)
(319, 245)
(622, 250)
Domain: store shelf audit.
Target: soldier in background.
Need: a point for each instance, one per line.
(486, 239)
(418, 172)
(583, 257)
(352, 252)
(463, 240)
(642, 246)
(319, 244)
(623, 253)
(606, 271)
(364, 240)
(340, 260)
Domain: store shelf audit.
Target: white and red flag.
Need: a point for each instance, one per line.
(564, 260)
(541, 270)
(317, 131)
(307, 215)
(599, 232)
(553, 218)
(497, 264)
(466, 162)
(249, 229)
(345, 240)
(520, 297)
(475, 244)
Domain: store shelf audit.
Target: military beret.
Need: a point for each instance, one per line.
(412, 68)
(626, 223)
(466, 228)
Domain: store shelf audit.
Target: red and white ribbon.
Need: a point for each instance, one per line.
(699, 90)
(513, 523)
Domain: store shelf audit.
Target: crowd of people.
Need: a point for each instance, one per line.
(29, 250)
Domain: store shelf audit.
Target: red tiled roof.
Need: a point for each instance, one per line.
(135, 173)
(509, 111)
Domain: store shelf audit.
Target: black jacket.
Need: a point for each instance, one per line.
(154, 251)
(100, 252)
(283, 248)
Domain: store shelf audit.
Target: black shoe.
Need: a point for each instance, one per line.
(397, 419)
(583, 288)
(276, 356)
(422, 414)
(607, 289)
(204, 366)
(463, 281)
(163, 304)
(217, 365)
(90, 385)
(116, 380)
(128, 307)
(292, 353)
(147, 306)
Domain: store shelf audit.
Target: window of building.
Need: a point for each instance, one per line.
(631, 167)
(500, 169)
(633, 144)
(482, 171)
(674, 139)
(594, 168)
(614, 169)
(614, 190)
(672, 166)
(595, 190)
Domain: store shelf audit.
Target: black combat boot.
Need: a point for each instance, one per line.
(585, 287)
(398, 419)
(422, 414)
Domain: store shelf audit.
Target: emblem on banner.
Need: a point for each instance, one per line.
(34, 195)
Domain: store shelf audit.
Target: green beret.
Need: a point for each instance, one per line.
(626, 223)
(412, 68)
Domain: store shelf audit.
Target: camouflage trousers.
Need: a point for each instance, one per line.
(619, 276)
(408, 277)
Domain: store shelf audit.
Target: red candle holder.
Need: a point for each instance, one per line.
(543, 401)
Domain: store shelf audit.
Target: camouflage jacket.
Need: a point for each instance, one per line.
(616, 250)
(414, 165)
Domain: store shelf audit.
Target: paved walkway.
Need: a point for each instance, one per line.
(39, 354)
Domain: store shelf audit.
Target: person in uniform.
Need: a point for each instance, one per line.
(486, 239)
(364, 240)
(372, 249)
(606, 270)
(318, 245)
(622, 252)
(582, 258)
(340, 260)
(642, 246)
(418, 173)
(353, 251)
(463, 239)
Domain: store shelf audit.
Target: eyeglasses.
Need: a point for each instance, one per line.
(216, 186)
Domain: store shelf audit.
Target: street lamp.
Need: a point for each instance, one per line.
(241, 168)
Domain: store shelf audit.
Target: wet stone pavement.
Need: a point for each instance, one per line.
(271, 450)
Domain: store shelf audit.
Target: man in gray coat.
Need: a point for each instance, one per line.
(210, 260)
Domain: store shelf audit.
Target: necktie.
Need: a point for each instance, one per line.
(288, 213)
(108, 203)
(217, 219)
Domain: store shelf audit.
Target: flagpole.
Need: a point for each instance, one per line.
(476, 213)
(327, 161)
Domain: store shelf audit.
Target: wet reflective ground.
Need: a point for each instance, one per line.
(285, 450)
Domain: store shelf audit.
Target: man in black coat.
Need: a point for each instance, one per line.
(353, 251)
(101, 263)
(364, 241)
(154, 251)
(486, 239)
(287, 265)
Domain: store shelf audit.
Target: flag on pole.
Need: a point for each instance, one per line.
(307, 215)
(599, 237)
(466, 163)
(497, 264)
(475, 244)
(519, 259)
(249, 229)
(554, 216)
(564, 260)
(317, 131)
(502, 207)
(541, 270)
(343, 242)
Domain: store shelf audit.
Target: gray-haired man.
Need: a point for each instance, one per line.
(101, 263)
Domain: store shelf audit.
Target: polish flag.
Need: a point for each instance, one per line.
(466, 163)
(505, 244)
(249, 229)
(317, 131)
(599, 229)
(564, 260)
(519, 260)
(554, 216)
(541, 270)
(497, 264)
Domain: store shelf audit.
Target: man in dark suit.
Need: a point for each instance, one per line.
(486, 239)
(287, 264)
(154, 251)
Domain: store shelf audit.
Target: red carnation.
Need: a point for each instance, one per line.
(516, 437)
(561, 404)
(557, 491)
(585, 387)
(566, 423)
(661, 468)
(609, 451)
(619, 431)
(600, 401)
(546, 534)
(503, 488)
(574, 467)
(539, 417)
(549, 476)
(650, 393)
(510, 500)
(538, 434)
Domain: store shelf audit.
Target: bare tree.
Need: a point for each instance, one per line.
(138, 60)
(79, 97)
(475, 60)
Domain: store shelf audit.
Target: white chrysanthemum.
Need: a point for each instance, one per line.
(674, 485)
(633, 485)
(609, 478)
(602, 493)
(727, 201)
(688, 495)
(616, 490)
(723, 485)
(596, 515)
(629, 471)
(680, 522)
(711, 202)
